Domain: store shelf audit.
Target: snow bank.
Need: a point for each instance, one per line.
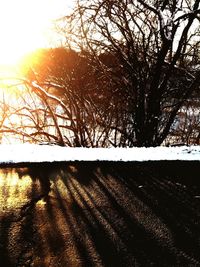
(44, 153)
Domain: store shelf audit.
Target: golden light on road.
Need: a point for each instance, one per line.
(25, 26)
(13, 189)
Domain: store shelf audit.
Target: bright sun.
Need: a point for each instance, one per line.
(25, 26)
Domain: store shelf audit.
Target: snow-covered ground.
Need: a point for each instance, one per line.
(44, 153)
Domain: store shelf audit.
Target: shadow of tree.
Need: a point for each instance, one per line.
(107, 214)
(106, 231)
(171, 190)
(21, 188)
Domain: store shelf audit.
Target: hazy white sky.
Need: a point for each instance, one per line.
(25, 25)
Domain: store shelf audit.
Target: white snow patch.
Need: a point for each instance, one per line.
(45, 153)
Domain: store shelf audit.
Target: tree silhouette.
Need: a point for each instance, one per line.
(155, 45)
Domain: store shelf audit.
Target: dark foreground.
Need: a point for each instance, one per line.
(100, 214)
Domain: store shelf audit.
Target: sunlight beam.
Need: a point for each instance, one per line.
(26, 25)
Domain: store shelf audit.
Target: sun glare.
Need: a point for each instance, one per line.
(25, 26)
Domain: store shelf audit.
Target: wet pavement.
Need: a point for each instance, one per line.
(100, 214)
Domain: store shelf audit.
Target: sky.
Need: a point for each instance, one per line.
(25, 25)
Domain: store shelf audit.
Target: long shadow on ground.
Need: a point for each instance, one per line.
(106, 214)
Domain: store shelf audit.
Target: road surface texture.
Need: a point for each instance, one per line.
(100, 214)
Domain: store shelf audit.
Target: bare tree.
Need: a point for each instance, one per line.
(53, 105)
(185, 129)
(154, 46)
